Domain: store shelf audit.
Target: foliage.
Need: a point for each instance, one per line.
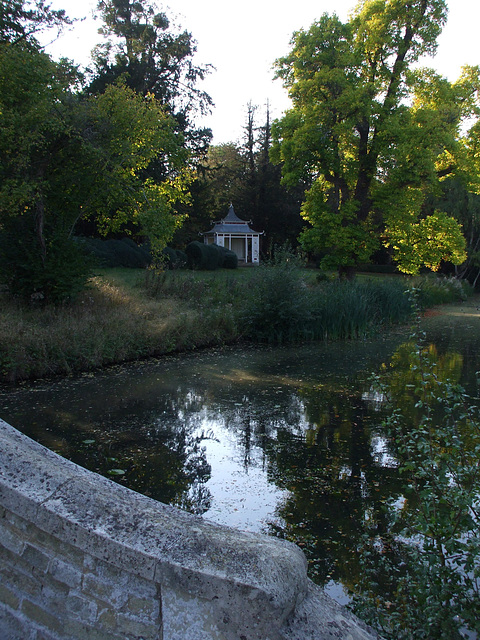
(21, 20)
(174, 258)
(431, 290)
(276, 306)
(58, 276)
(280, 307)
(141, 48)
(242, 173)
(367, 158)
(422, 573)
(210, 256)
(427, 242)
(65, 158)
(116, 253)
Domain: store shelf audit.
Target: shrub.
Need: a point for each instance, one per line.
(169, 257)
(182, 259)
(117, 253)
(276, 307)
(433, 290)
(229, 259)
(203, 256)
(55, 273)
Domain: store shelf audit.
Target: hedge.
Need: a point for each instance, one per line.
(210, 256)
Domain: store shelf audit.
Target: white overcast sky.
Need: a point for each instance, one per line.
(243, 39)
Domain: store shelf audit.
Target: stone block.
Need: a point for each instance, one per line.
(39, 616)
(11, 538)
(35, 558)
(67, 573)
(143, 608)
(8, 597)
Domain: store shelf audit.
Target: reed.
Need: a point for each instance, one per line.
(128, 314)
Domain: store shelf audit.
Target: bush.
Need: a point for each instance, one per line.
(229, 259)
(117, 253)
(169, 257)
(54, 273)
(174, 259)
(276, 308)
(433, 290)
(210, 256)
(182, 259)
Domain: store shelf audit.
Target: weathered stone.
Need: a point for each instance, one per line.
(95, 560)
(8, 598)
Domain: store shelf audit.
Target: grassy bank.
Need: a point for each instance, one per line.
(127, 314)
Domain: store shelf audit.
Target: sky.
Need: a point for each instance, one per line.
(242, 41)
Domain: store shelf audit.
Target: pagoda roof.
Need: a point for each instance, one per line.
(232, 224)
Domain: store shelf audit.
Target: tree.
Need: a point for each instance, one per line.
(366, 154)
(242, 174)
(20, 21)
(65, 157)
(141, 48)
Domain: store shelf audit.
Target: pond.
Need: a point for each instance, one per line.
(286, 441)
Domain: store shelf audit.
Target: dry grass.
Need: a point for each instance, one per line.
(111, 322)
(126, 316)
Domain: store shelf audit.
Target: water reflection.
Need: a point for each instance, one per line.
(287, 441)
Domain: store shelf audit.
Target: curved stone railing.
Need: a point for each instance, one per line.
(83, 557)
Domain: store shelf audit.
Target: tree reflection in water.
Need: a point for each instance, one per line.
(251, 439)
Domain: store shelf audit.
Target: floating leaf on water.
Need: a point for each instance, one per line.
(88, 441)
(116, 472)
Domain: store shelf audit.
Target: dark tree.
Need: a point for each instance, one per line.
(141, 48)
(21, 21)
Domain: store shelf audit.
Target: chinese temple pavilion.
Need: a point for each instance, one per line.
(235, 234)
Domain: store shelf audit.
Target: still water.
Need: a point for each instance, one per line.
(285, 441)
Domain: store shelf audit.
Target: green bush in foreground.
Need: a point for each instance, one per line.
(421, 572)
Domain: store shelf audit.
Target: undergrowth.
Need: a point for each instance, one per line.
(129, 314)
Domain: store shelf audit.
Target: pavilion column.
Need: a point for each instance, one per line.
(255, 250)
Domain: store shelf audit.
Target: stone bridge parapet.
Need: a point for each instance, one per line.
(84, 558)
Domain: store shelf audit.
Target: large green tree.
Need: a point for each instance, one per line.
(366, 137)
(65, 157)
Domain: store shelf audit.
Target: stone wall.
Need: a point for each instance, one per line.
(82, 557)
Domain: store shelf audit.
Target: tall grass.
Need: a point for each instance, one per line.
(110, 323)
(129, 314)
(282, 308)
